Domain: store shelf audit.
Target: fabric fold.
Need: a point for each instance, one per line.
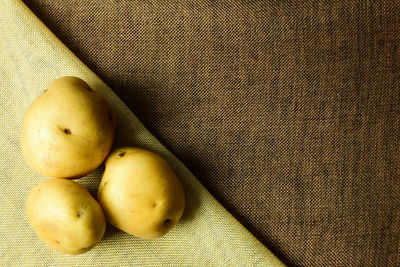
(30, 57)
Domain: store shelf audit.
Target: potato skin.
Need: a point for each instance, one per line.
(139, 193)
(65, 216)
(68, 130)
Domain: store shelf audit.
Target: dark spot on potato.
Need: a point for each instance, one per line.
(89, 89)
(45, 90)
(154, 205)
(80, 213)
(105, 184)
(58, 242)
(67, 131)
(110, 116)
(167, 221)
(121, 153)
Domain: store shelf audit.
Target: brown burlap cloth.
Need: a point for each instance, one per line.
(287, 111)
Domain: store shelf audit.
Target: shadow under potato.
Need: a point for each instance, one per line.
(92, 180)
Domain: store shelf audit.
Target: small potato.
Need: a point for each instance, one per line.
(140, 194)
(68, 130)
(65, 216)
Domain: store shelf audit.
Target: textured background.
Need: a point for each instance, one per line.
(207, 234)
(287, 111)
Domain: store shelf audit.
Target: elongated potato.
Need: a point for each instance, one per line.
(140, 194)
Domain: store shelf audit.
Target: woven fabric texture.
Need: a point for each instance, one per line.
(287, 111)
(207, 235)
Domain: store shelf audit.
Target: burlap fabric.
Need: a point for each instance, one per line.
(287, 111)
(207, 235)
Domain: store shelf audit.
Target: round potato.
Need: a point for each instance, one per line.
(65, 216)
(139, 193)
(68, 130)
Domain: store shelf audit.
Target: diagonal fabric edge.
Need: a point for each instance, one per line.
(30, 57)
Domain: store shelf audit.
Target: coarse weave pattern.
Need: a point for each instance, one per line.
(287, 111)
(30, 57)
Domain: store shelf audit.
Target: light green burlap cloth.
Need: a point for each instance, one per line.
(30, 57)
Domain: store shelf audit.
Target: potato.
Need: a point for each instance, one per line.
(139, 193)
(68, 130)
(65, 216)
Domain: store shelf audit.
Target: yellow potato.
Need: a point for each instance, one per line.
(139, 193)
(68, 130)
(65, 216)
